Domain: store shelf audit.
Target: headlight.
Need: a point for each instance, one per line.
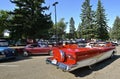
(13, 51)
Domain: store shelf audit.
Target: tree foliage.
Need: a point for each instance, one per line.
(72, 28)
(30, 19)
(4, 18)
(61, 27)
(79, 35)
(87, 18)
(93, 23)
(101, 22)
(115, 31)
(58, 29)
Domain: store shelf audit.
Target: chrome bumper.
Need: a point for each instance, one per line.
(62, 66)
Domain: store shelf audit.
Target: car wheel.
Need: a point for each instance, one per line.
(25, 53)
(112, 55)
(51, 53)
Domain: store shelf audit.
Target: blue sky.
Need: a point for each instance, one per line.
(69, 8)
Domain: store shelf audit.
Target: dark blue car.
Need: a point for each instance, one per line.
(5, 51)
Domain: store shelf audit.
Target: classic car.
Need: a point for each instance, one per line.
(5, 51)
(36, 48)
(70, 57)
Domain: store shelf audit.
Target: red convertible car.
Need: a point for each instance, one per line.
(36, 48)
(70, 57)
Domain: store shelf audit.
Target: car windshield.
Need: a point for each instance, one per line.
(3, 43)
(42, 44)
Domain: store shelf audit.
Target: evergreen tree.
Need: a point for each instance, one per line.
(30, 19)
(87, 18)
(116, 29)
(79, 33)
(101, 22)
(72, 28)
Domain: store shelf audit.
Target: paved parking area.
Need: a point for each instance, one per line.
(34, 67)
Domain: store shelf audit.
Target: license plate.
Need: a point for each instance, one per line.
(54, 61)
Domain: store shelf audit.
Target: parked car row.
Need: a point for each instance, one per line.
(40, 47)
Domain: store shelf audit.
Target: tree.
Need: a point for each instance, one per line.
(58, 29)
(101, 23)
(87, 18)
(30, 19)
(72, 28)
(79, 31)
(115, 32)
(4, 17)
(61, 27)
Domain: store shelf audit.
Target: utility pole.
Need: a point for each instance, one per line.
(56, 34)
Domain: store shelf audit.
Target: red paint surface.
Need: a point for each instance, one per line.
(74, 54)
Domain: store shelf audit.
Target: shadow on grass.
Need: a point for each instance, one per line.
(82, 72)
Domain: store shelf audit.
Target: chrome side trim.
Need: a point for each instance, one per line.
(62, 55)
